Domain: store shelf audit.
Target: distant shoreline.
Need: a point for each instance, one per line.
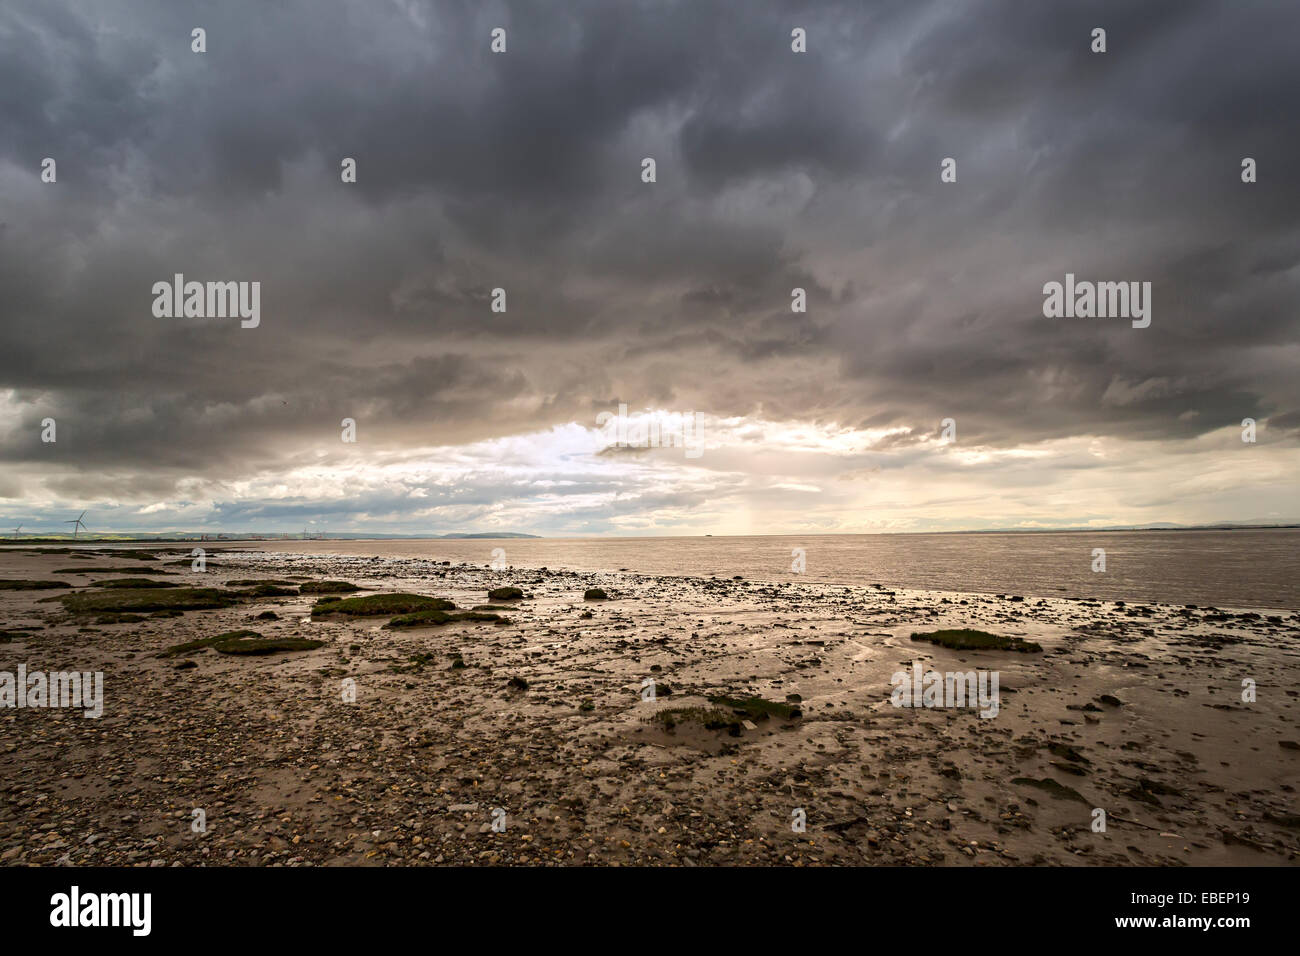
(232, 537)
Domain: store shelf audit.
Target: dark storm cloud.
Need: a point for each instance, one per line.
(523, 171)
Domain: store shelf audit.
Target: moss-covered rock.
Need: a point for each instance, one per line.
(505, 594)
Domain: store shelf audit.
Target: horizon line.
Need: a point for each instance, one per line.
(482, 535)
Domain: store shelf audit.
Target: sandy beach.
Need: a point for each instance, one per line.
(1135, 710)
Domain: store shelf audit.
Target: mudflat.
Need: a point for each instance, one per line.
(343, 709)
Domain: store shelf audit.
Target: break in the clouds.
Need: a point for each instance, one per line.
(522, 171)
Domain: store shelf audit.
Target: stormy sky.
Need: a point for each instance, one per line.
(522, 170)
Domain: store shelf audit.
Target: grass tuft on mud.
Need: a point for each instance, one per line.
(967, 639)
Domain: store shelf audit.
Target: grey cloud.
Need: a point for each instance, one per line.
(522, 171)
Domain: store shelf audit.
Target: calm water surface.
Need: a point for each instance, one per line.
(1224, 568)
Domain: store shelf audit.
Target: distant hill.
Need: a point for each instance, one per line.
(489, 534)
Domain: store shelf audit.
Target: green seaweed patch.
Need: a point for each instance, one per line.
(117, 570)
(710, 718)
(274, 645)
(418, 662)
(260, 582)
(133, 583)
(966, 639)
(756, 708)
(19, 584)
(268, 590)
(505, 594)
(327, 587)
(190, 647)
(436, 618)
(126, 600)
(491, 607)
(375, 604)
(1055, 789)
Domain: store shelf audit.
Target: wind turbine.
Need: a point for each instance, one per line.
(16, 530)
(76, 523)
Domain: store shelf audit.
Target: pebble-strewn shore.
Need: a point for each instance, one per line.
(1134, 710)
